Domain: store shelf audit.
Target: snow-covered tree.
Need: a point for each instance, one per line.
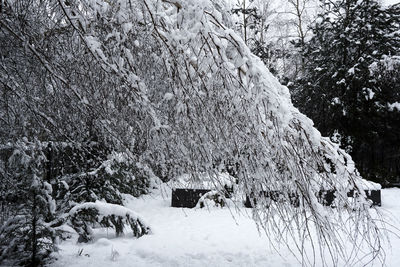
(276, 31)
(340, 93)
(170, 83)
(27, 237)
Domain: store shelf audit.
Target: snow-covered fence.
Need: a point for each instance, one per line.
(325, 197)
(189, 198)
(107, 215)
(275, 196)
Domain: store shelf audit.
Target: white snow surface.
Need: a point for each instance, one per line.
(199, 237)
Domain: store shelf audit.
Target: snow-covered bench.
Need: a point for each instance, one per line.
(186, 198)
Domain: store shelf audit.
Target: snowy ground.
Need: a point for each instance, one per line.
(198, 237)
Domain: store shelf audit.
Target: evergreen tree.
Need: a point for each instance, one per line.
(339, 91)
(28, 238)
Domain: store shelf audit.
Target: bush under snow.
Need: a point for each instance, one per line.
(107, 215)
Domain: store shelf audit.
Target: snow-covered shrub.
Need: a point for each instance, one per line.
(128, 176)
(53, 181)
(211, 199)
(117, 174)
(52, 176)
(107, 215)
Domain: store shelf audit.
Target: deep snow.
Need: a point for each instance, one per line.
(198, 237)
